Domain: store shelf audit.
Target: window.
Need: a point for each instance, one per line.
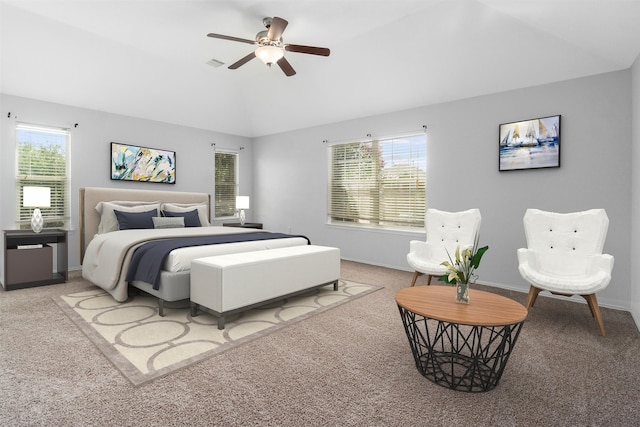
(378, 183)
(226, 183)
(42, 161)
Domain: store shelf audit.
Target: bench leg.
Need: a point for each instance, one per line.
(194, 309)
(221, 322)
(161, 307)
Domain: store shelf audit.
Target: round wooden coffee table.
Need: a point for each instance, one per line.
(460, 346)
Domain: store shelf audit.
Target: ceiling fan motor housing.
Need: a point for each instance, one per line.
(262, 38)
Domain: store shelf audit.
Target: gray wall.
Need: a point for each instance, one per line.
(286, 174)
(290, 187)
(90, 153)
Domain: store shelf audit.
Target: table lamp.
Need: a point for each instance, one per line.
(242, 203)
(36, 197)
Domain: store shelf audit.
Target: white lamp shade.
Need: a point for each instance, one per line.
(269, 54)
(36, 197)
(242, 202)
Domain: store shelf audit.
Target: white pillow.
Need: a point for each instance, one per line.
(203, 211)
(108, 220)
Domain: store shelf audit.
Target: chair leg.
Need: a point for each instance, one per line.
(595, 311)
(429, 280)
(531, 298)
(590, 304)
(415, 277)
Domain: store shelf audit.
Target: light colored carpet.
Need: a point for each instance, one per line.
(145, 346)
(350, 366)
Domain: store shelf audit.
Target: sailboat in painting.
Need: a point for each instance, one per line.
(515, 138)
(542, 131)
(505, 140)
(555, 134)
(512, 138)
(544, 136)
(530, 137)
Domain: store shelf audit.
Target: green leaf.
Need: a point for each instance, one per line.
(475, 262)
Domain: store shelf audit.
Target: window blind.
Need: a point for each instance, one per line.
(42, 161)
(380, 182)
(226, 183)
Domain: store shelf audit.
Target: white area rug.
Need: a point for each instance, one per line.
(145, 346)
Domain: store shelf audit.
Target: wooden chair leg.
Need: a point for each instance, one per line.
(595, 311)
(415, 277)
(429, 280)
(531, 298)
(590, 304)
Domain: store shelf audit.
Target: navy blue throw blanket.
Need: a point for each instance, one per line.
(148, 259)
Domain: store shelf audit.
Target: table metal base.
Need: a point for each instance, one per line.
(459, 357)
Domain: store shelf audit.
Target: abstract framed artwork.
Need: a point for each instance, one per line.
(530, 144)
(134, 163)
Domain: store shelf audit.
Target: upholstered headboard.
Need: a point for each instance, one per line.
(91, 196)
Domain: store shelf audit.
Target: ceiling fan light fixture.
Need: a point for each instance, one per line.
(270, 47)
(269, 54)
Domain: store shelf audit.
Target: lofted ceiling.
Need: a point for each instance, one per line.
(148, 58)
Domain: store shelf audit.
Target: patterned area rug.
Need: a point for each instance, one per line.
(145, 346)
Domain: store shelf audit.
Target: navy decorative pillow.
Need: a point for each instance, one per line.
(191, 218)
(135, 220)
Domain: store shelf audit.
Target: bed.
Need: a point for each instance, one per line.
(106, 253)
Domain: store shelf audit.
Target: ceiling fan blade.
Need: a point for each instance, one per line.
(277, 28)
(234, 39)
(286, 67)
(322, 51)
(242, 61)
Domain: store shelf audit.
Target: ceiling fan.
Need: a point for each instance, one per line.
(271, 47)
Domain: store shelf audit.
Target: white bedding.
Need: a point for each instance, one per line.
(108, 255)
(180, 259)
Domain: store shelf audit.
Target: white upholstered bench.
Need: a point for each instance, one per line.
(227, 284)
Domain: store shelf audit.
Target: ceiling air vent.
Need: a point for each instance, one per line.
(215, 63)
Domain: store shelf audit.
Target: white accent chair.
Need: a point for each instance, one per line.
(564, 255)
(445, 231)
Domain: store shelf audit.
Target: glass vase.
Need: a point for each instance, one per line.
(462, 293)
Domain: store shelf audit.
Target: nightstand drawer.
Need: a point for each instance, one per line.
(29, 265)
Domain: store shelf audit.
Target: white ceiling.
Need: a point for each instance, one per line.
(148, 58)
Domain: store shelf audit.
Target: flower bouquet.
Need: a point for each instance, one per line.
(461, 271)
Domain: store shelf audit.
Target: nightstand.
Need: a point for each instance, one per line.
(257, 225)
(29, 258)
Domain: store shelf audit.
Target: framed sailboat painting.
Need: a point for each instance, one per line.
(530, 144)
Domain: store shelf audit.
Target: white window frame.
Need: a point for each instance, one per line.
(378, 183)
(58, 179)
(236, 185)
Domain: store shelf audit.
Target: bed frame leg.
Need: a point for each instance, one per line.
(221, 322)
(335, 285)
